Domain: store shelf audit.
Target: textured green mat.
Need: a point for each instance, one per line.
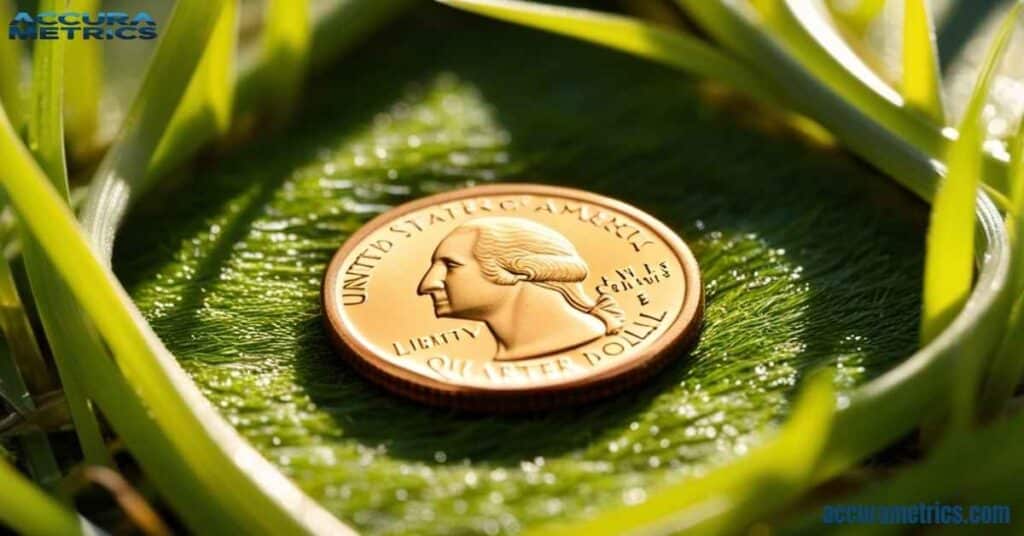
(810, 260)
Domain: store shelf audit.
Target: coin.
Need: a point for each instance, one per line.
(512, 297)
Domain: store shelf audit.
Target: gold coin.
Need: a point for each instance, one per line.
(512, 297)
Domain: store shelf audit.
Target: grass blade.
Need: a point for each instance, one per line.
(205, 111)
(46, 140)
(11, 54)
(628, 35)
(860, 16)
(922, 86)
(24, 359)
(949, 263)
(28, 510)
(1008, 367)
(216, 474)
(123, 170)
(729, 498)
(286, 50)
(84, 65)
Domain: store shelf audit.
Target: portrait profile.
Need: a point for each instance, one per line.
(524, 281)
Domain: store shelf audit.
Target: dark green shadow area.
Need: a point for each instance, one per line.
(810, 260)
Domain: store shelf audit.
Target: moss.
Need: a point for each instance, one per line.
(810, 260)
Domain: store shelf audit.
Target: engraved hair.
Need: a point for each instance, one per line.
(516, 249)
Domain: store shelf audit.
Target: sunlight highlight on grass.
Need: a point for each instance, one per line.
(922, 86)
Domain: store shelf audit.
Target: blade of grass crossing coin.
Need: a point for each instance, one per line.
(922, 87)
(11, 56)
(244, 493)
(629, 35)
(949, 262)
(84, 65)
(53, 300)
(205, 111)
(28, 510)
(731, 497)
(287, 38)
(123, 170)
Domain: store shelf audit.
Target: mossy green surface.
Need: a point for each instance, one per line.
(810, 260)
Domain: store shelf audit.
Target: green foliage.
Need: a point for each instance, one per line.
(29, 511)
(84, 65)
(921, 78)
(11, 56)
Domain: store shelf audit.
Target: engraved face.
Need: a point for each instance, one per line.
(504, 272)
(456, 283)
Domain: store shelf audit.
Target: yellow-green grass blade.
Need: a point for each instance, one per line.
(287, 38)
(123, 170)
(11, 56)
(733, 496)
(922, 87)
(949, 263)
(84, 65)
(24, 362)
(46, 140)
(185, 446)
(628, 35)
(809, 40)
(205, 111)
(1007, 370)
(27, 510)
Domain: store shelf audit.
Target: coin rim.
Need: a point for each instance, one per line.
(681, 334)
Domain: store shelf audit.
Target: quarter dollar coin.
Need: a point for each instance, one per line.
(512, 297)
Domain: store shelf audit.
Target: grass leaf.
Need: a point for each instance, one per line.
(1007, 370)
(922, 86)
(11, 56)
(949, 264)
(84, 65)
(860, 15)
(731, 497)
(28, 510)
(24, 361)
(123, 170)
(286, 49)
(628, 35)
(46, 140)
(205, 111)
(242, 490)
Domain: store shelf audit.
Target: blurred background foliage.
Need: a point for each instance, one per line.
(178, 378)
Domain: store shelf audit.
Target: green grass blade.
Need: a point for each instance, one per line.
(731, 497)
(24, 359)
(46, 140)
(28, 510)
(11, 54)
(84, 65)
(949, 263)
(205, 111)
(628, 35)
(123, 170)
(243, 491)
(809, 41)
(1007, 370)
(20, 337)
(922, 87)
(287, 38)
